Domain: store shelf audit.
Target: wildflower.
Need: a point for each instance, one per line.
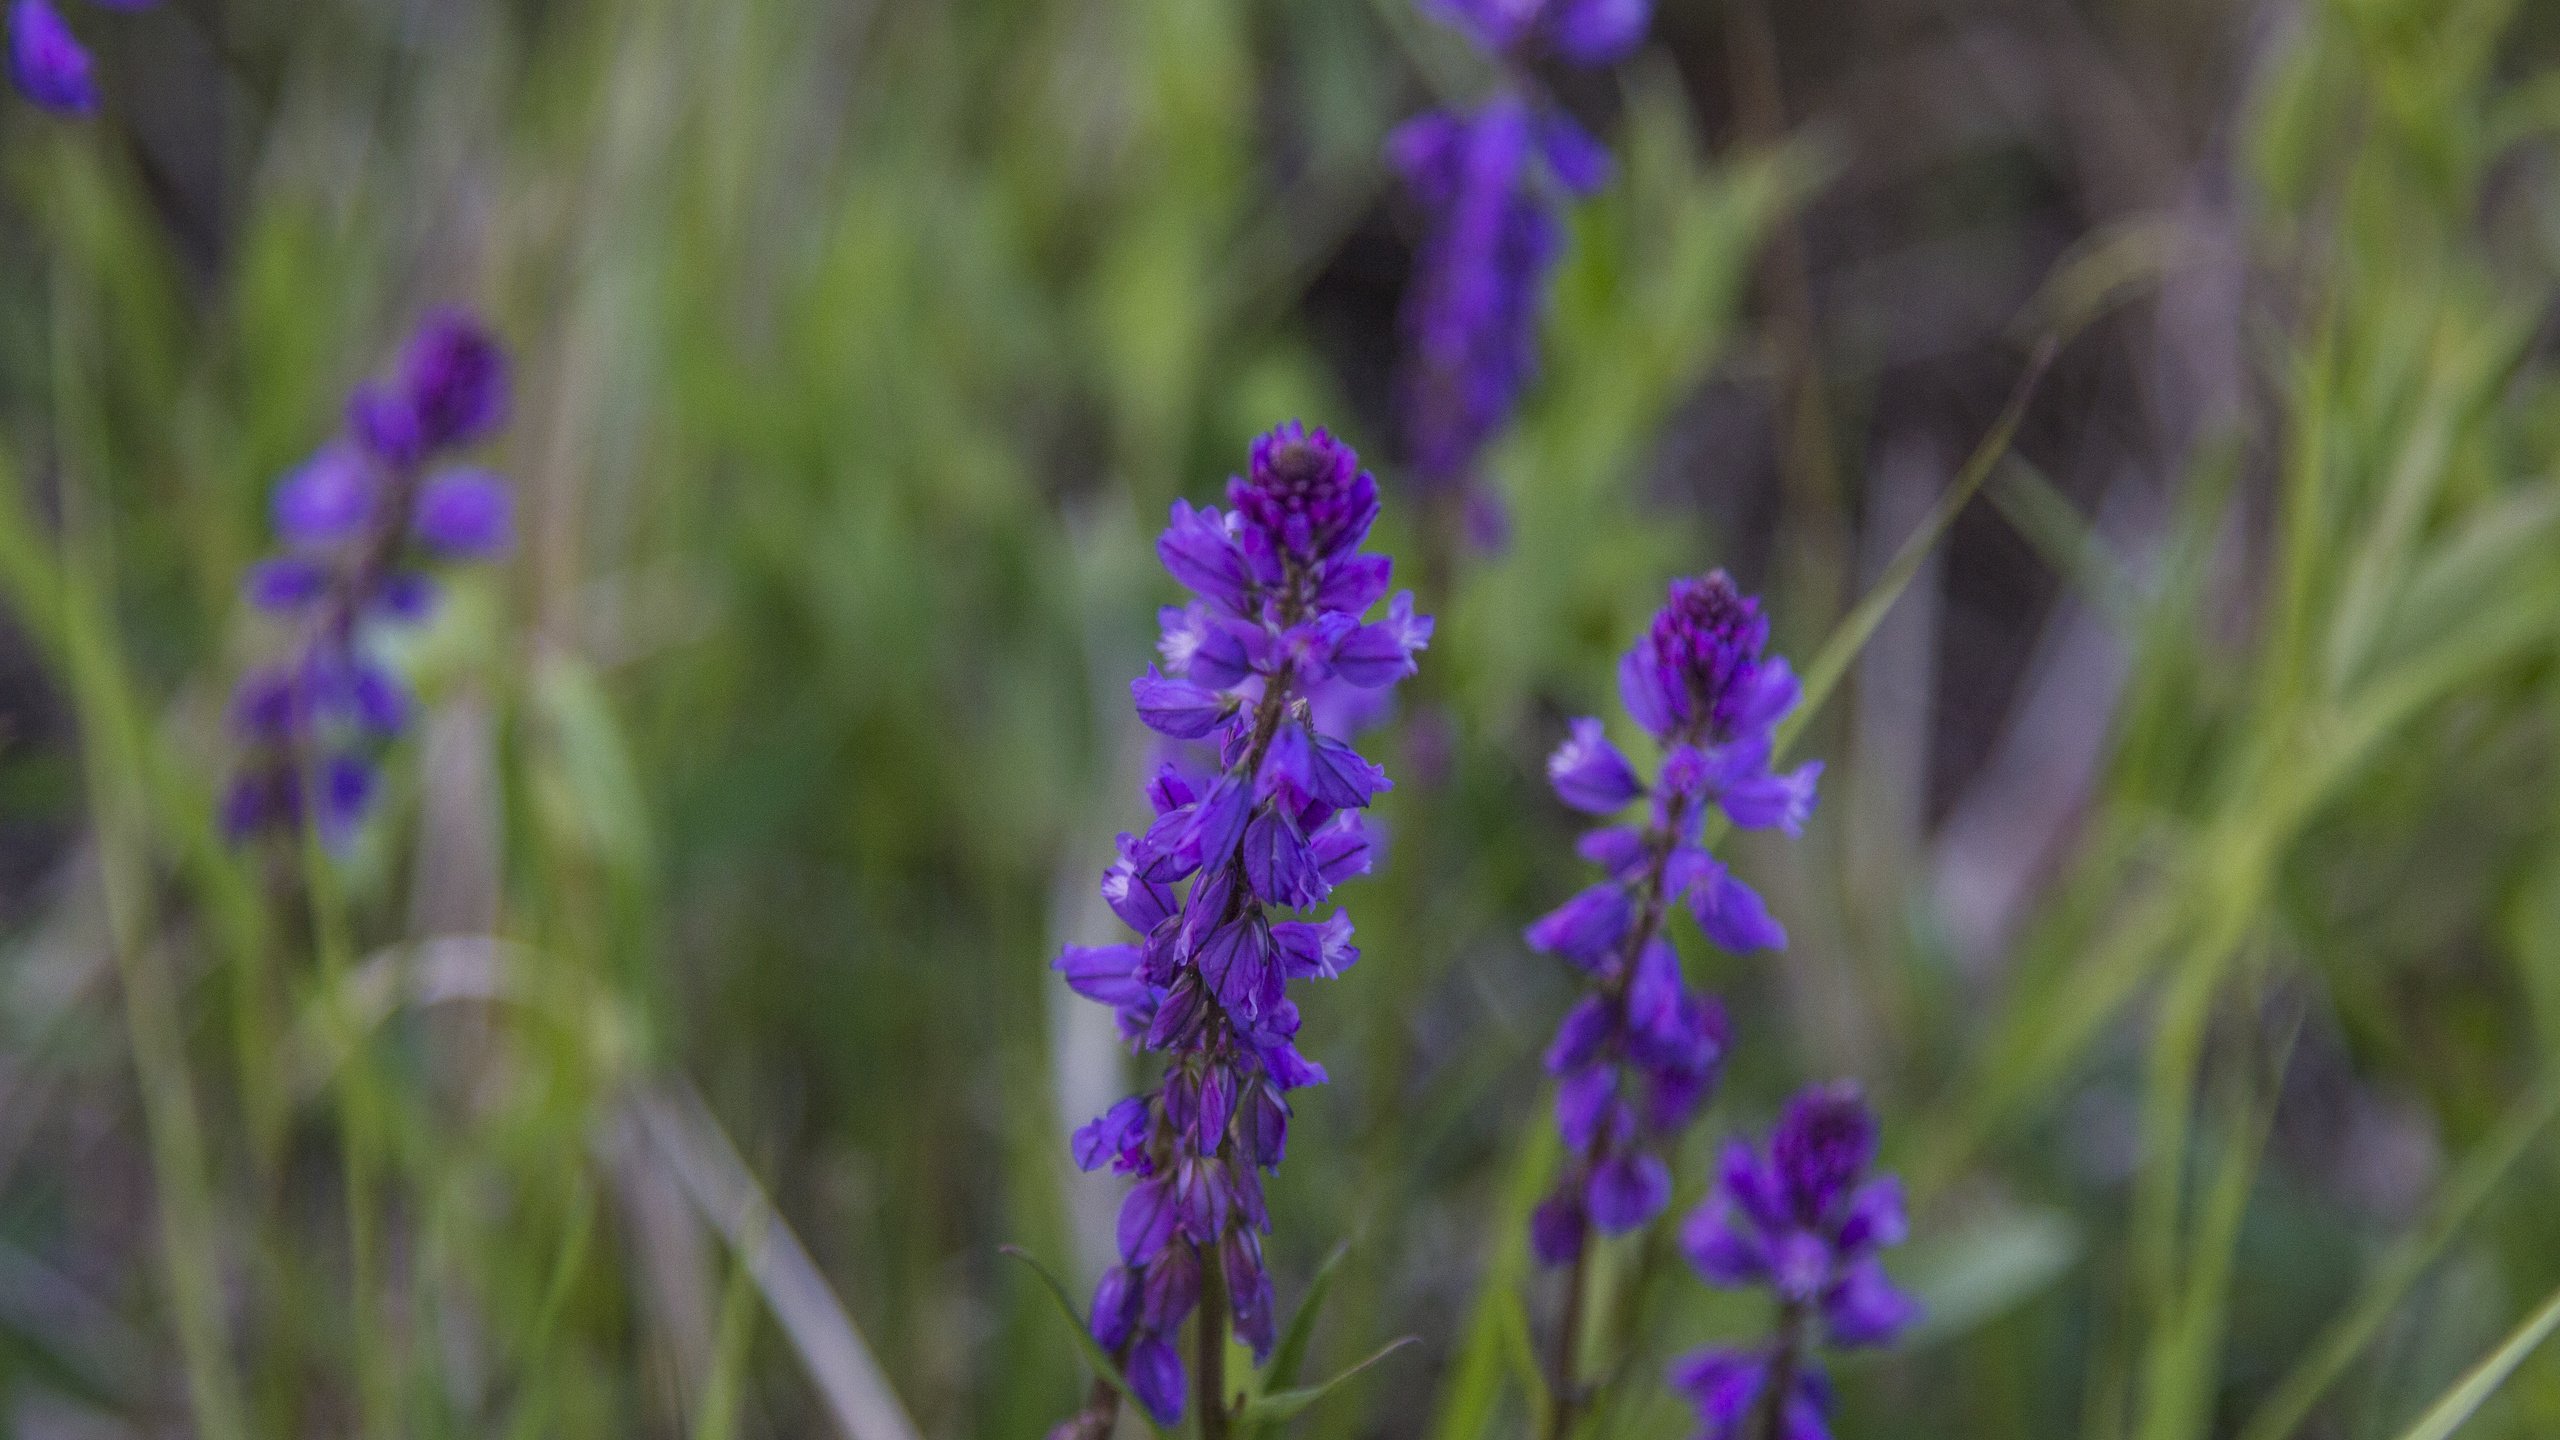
(1582, 32)
(358, 523)
(1636, 1059)
(1491, 182)
(1267, 830)
(1804, 1222)
(48, 63)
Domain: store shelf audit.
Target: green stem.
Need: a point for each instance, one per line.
(1564, 1378)
(1209, 1336)
(1771, 1423)
(111, 748)
(1564, 1383)
(359, 1118)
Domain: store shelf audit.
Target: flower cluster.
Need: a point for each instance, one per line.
(1489, 181)
(1282, 590)
(47, 62)
(358, 521)
(1636, 1058)
(1804, 1222)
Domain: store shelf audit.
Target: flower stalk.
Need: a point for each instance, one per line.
(1257, 816)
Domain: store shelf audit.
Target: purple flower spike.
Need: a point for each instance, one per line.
(358, 522)
(48, 62)
(1258, 822)
(1585, 32)
(1638, 1058)
(1804, 1221)
(1491, 184)
(1471, 316)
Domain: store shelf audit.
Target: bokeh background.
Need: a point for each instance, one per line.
(2185, 891)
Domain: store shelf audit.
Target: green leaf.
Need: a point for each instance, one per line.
(1977, 1274)
(1283, 1370)
(1473, 1391)
(1281, 1405)
(1837, 653)
(2474, 1389)
(1094, 1355)
(2457, 1200)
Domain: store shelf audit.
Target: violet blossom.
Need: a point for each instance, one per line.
(359, 523)
(48, 63)
(1491, 180)
(1637, 1058)
(1283, 598)
(1803, 1222)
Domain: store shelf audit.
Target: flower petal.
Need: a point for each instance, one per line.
(1589, 773)
(466, 515)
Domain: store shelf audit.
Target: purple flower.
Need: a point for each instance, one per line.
(1471, 314)
(1584, 32)
(48, 62)
(465, 515)
(454, 379)
(1804, 1220)
(1265, 828)
(356, 521)
(1587, 928)
(1155, 1371)
(1639, 1056)
(1306, 497)
(286, 583)
(1559, 1228)
(1589, 774)
(329, 499)
(1730, 1387)
(1626, 1190)
(1490, 184)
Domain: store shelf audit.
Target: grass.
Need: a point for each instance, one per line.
(676, 1053)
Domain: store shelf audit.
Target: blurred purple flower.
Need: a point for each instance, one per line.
(1491, 183)
(1730, 1386)
(1582, 32)
(354, 520)
(1470, 320)
(48, 62)
(1805, 1222)
(1269, 823)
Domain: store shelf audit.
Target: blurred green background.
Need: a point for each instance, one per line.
(2186, 888)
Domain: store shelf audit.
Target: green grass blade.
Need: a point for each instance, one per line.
(1283, 1405)
(2464, 1192)
(1497, 1328)
(1837, 653)
(716, 1417)
(1093, 1352)
(1292, 1353)
(2474, 1389)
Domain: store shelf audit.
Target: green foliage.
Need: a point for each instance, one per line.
(861, 348)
